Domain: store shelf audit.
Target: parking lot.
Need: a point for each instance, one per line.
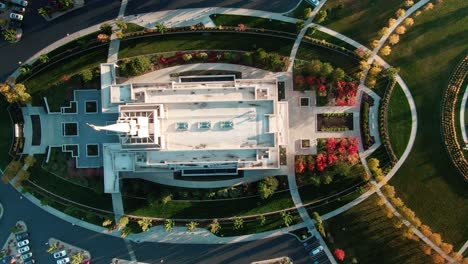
(318, 255)
(12, 14)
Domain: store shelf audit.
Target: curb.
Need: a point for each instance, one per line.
(1, 211)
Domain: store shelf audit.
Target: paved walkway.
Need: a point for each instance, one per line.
(462, 116)
(413, 228)
(463, 248)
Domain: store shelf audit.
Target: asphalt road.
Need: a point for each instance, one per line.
(103, 248)
(38, 33)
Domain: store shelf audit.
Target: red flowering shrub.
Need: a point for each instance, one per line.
(339, 254)
(346, 93)
(321, 162)
(299, 166)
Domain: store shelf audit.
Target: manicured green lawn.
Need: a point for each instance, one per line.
(205, 41)
(365, 232)
(309, 52)
(6, 134)
(427, 182)
(252, 22)
(381, 154)
(310, 193)
(55, 73)
(253, 226)
(190, 210)
(360, 20)
(399, 120)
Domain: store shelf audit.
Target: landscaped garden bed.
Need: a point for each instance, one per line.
(366, 103)
(335, 122)
(253, 22)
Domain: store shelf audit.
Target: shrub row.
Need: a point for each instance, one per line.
(366, 103)
(383, 122)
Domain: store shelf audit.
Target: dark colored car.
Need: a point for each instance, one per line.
(18, 9)
(30, 261)
(22, 236)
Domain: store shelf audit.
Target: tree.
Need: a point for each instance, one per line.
(426, 230)
(43, 12)
(299, 25)
(317, 218)
(384, 31)
(375, 70)
(123, 222)
(436, 238)
(53, 247)
(261, 56)
(238, 223)
(187, 57)
(10, 35)
(78, 258)
(16, 94)
(426, 249)
(326, 70)
(107, 222)
(447, 248)
(287, 218)
(391, 22)
(388, 191)
(315, 66)
(192, 226)
(364, 65)
(338, 74)
(215, 226)
(247, 58)
(119, 34)
(262, 220)
(409, 3)
(136, 66)
(400, 30)
(408, 22)
(106, 28)
(386, 50)
(371, 82)
(86, 75)
(428, 7)
(307, 12)
(339, 254)
(267, 187)
(145, 224)
(166, 198)
(169, 225)
(161, 28)
(321, 16)
(391, 72)
(400, 12)
(66, 4)
(394, 39)
(437, 259)
(121, 24)
(375, 43)
(30, 160)
(397, 202)
(44, 58)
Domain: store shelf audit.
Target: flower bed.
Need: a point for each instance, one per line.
(335, 158)
(335, 122)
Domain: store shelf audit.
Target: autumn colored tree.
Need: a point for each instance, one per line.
(375, 70)
(394, 39)
(321, 16)
(145, 224)
(400, 30)
(384, 31)
(400, 12)
(437, 259)
(426, 230)
(215, 226)
(388, 191)
(11, 171)
(409, 3)
(391, 22)
(339, 254)
(364, 65)
(192, 226)
(408, 22)
(30, 160)
(428, 7)
(447, 248)
(436, 238)
(16, 94)
(375, 43)
(307, 12)
(386, 50)
(426, 249)
(123, 222)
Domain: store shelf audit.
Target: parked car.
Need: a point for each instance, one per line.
(20, 2)
(22, 243)
(63, 261)
(316, 251)
(60, 254)
(23, 249)
(26, 256)
(16, 16)
(21, 236)
(3, 6)
(18, 9)
(29, 261)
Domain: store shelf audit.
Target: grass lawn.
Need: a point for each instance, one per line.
(6, 134)
(190, 210)
(309, 52)
(399, 120)
(317, 34)
(55, 73)
(68, 190)
(204, 41)
(365, 232)
(427, 182)
(252, 22)
(310, 193)
(360, 20)
(381, 154)
(253, 226)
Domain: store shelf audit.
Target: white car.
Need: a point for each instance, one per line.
(23, 249)
(16, 16)
(63, 261)
(60, 254)
(23, 243)
(316, 251)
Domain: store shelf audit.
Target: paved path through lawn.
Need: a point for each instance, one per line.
(462, 116)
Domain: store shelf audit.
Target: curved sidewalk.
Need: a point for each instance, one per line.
(462, 117)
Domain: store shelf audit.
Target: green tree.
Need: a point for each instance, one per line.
(238, 223)
(321, 16)
(192, 226)
(287, 218)
(106, 28)
(215, 226)
(315, 67)
(25, 69)
(10, 35)
(317, 217)
(123, 222)
(307, 12)
(338, 74)
(161, 28)
(121, 24)
(327, 179)
(391, 72)
(52, 247)
(299, 25)
(136, 66)
(261, 56)
(44, 12)
(262, 220)
(169, 225)
(145, 224)
(267, 187)
(166, 199)
(187, 57)
(247, 58)
(86, 75)
(107, 222)
(326, 70)
(44, 58)
(66, 4)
